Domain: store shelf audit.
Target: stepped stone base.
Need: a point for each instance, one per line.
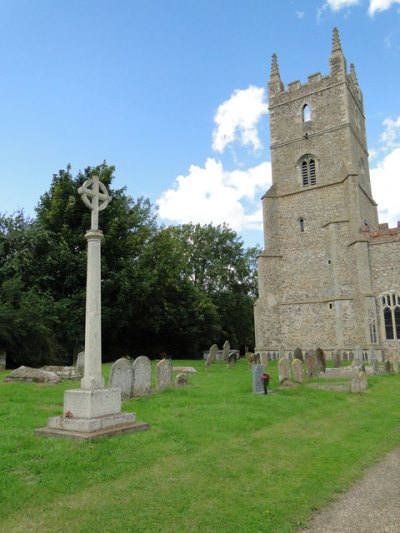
(89, 414)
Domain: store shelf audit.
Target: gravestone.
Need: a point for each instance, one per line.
(257, 358)
(374, 366)
(358, 359)
(387, 367)
(232, 360)
(336, 359)
(371, 354)
(80, 363)
(297, 371)
(32, 375)
(3, 360)
(121, 377)
(345, 357)
(351, 356)
(212, 355)
(269, 356)
(359, 383)
(283, 369)
(319, 353)
(164, 374)
(181, 380)
(264, 359)
(225, 350)
(311, 364)
(63, 372)
(281, 351)
(141, 376)
(257, 372)
(298, 354)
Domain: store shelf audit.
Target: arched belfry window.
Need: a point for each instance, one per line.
(306, 113)
(301, 224)
(391, 315)
(308, 171)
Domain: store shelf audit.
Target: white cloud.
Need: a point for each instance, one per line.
(336, 5)
(214, 195)
(385, 181)
(381, 5)
(237, 119)
(300, 14)
(392, 130)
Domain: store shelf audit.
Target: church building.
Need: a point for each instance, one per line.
(329, 274)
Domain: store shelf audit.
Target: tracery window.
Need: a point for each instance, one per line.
(308, 173)
(391, 315)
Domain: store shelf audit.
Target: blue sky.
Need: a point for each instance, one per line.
(173, 93)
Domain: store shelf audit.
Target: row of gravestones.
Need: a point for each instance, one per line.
(228, 356)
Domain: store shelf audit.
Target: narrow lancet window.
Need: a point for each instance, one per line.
(306, 113)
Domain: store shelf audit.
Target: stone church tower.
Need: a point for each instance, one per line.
(329, 272)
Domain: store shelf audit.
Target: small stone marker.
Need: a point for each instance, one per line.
(387, 366)
(141, 376)
(121, 377)
(232, 360)
(3, 360)
(374, 366)
(181, 380)
(297, 371)
(283, 369)
(164, 374)
(35, 375)
(225, 350)
(80, 363)
(336, 359)
(212, 356)
(257, 372)
(311, 364)
(319, 353)
(184, 369)
(359, 383)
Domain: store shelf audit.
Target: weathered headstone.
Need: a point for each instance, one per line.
(264, 359)
(232, 360)
(3, 360)
(121, 377)
(212, 355)
(80, 363)
(297, 371)
(141, 376)
(257, 358)
(311, 364)
(387, 366)
(35, 375)
(319, 353)
(257, 372)
(284, 369)
(371, 354)
(374, 366)
(336, 359)
(345, 357)
(359, 383)
(281, 351)
(63, 372)
(358, 359)
(298, 354)
(164, 374)
(181, 380)
(225, 350)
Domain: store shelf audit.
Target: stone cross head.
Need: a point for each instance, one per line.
(95, 196)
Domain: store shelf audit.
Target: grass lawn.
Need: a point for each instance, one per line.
(217, 458)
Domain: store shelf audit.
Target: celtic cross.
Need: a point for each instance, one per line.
(95, 196)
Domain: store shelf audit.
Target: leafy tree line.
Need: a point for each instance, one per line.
(164, 289)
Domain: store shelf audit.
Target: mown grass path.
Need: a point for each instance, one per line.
(217, 458)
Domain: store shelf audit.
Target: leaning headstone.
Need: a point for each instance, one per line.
(212, 355)
(283, 369)
(359, 383)
(336, 359)
(164, 374)
(225, 350)
(297, 371)
(33, 375)
(181, 380)
(121, 377)
(257, 372)
(232, 360)
(141, 376)
(311, 364)
(319, 353)
(298, 354)
(3, 360)
(80, 364)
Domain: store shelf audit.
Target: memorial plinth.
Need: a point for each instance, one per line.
(92, 411)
